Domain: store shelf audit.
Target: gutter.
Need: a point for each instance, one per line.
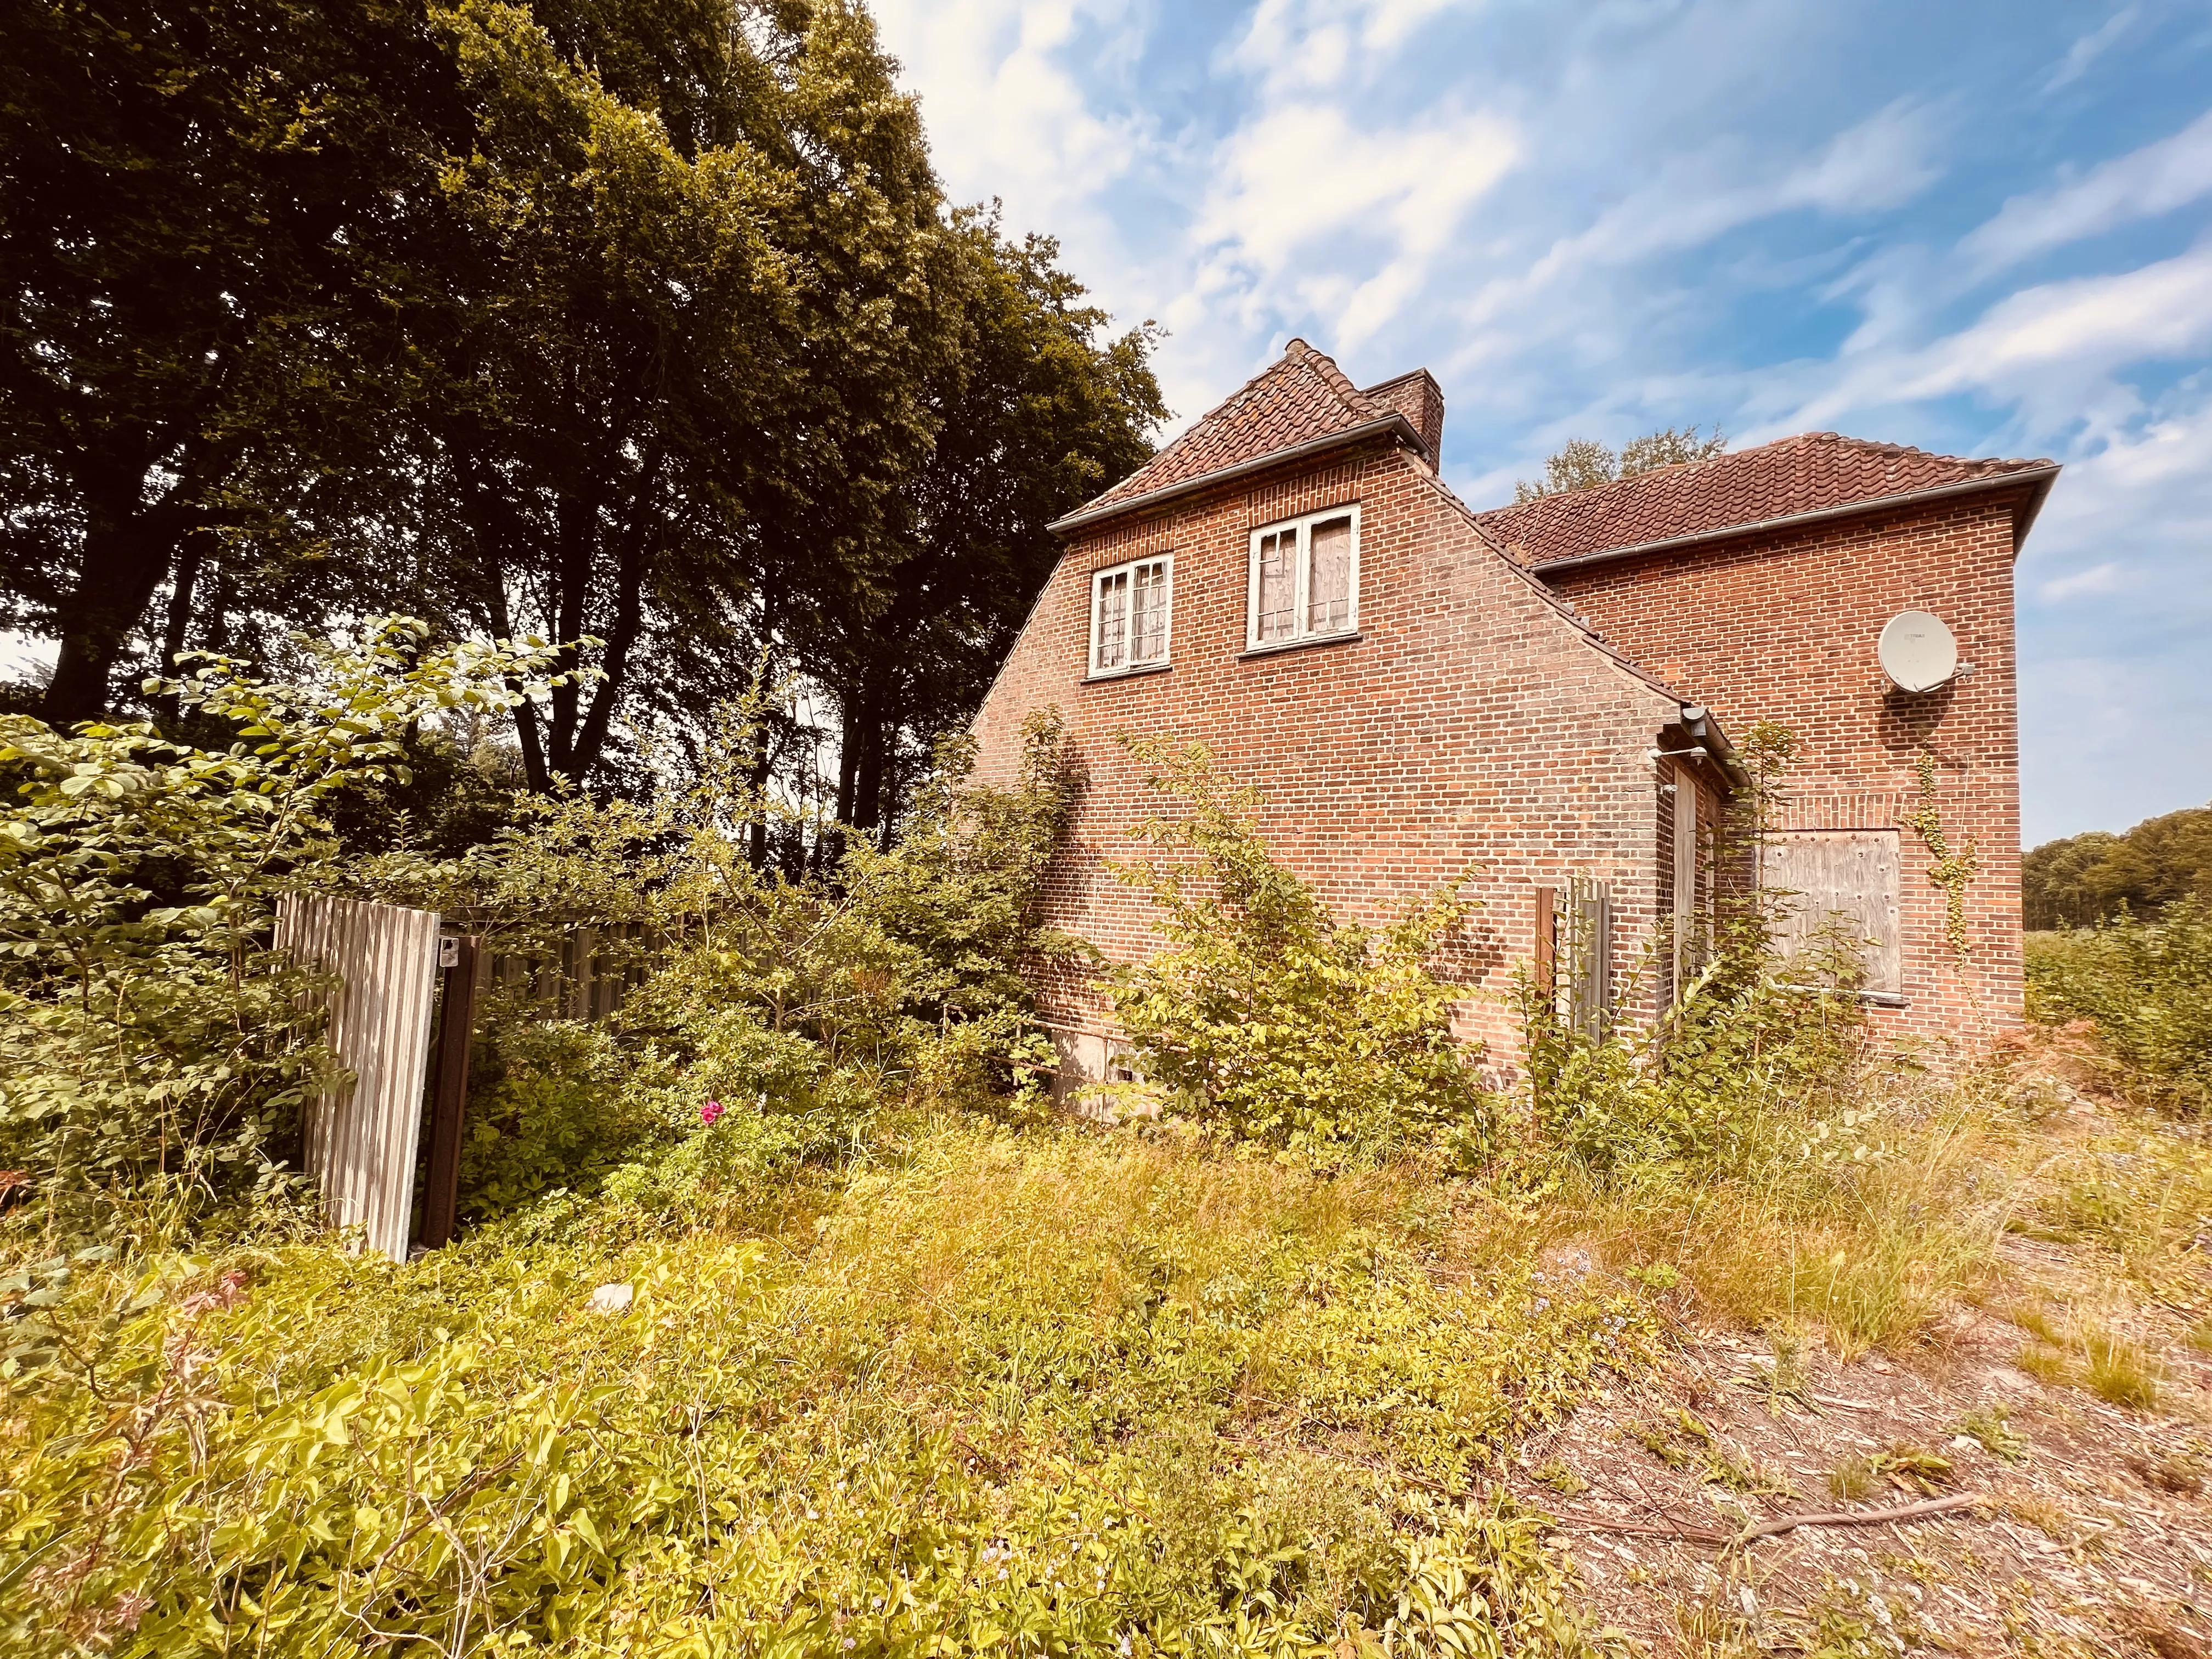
(1394, 423)
(2040, 477)
(1705, 732)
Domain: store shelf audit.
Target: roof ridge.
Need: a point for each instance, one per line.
(1302, 396)
(1337, 381)
(1785, 477)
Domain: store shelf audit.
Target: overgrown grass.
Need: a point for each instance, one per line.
(1864, 1231)
(2148, 986)
(1055, 1391)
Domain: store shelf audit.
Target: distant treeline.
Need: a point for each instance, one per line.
(2087, 879)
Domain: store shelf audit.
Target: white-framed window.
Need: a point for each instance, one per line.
(1130, 607)
(1304, 582)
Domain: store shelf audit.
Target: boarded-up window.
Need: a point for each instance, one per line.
(1851, 874)
(1279, 586)
(1329, 589)
(1304, 580)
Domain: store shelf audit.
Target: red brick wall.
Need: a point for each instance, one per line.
(1783, 627)
(1420, 400)
(1470, 724)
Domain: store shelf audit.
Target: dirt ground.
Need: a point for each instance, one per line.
(2079, 1526)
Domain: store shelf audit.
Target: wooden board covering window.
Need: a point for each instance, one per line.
(1850, 874)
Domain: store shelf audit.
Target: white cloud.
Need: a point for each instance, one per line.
(2162, 310)
(2056, 350)
(2097, 579)
(1009, 116)
(2153, 180)
(1292, 44)
(2089, 48)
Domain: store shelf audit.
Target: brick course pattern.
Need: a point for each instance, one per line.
(1783, 627)
(1471, 727)
(1494, 716)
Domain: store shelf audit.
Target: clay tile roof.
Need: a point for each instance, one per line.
(1809, 473)
(1301, 397)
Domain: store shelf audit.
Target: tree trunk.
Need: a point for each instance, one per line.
(126, 553)
(872, 738)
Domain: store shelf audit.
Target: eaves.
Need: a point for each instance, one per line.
(1393, 424)
(2040, 476)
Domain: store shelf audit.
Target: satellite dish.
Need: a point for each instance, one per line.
(1917, 651)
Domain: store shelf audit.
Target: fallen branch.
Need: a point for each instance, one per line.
(1687, 1534)
(1920, 1511)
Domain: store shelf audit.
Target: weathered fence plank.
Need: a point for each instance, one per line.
(362, 1135)
(457, 1017)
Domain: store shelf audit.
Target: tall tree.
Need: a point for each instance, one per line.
(194, 196)
(1584, 463)
(1038, 411)
(678, 389)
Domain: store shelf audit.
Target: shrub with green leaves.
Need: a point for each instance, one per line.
(2147, 985)
(1749, 1040)
(1263, 1015)
(771, 1018)
(155, 1051)
(1053, 1394)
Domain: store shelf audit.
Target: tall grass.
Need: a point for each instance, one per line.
(1050, 1392)
(2147, 985)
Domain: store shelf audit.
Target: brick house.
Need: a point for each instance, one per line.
(1542, 694)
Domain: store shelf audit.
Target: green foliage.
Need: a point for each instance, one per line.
(1948, 870)
(2147, 985)
(997, 1399)
(153, 1045)
(1041, 409)
(645, 327)
(1267, 1017)
(1750, 1045)
(204, 238)
(553, 1117)
(2092, 878)
(788, 1012)
(1584, 463)
(1991, 1426)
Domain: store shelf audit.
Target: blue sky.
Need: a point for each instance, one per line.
(1980, 229)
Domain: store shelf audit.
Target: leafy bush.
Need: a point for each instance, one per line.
(153, 1049)
(1267, 1017)
(2147, 985)
(975, 1407)
(1741, 1048)
(788, 1012)
(553, 1114)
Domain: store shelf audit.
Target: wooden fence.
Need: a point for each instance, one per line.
(1574, 951)
(362, 1135)
(588, 978)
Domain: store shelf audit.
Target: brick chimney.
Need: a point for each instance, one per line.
(1419, 398)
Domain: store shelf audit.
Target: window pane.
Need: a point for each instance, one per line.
(1329, 589)
(1114, 620)
(1278, 600)
(1148, 639)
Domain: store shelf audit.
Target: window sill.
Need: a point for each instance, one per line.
(1276, 648)
(1137, 673)
(1864, 999)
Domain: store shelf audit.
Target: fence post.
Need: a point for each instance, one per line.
(1547, 940)
(456, 1017)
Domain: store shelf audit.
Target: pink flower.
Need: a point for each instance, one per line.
(710, 1111)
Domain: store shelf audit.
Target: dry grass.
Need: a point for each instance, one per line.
(1870, 1252)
